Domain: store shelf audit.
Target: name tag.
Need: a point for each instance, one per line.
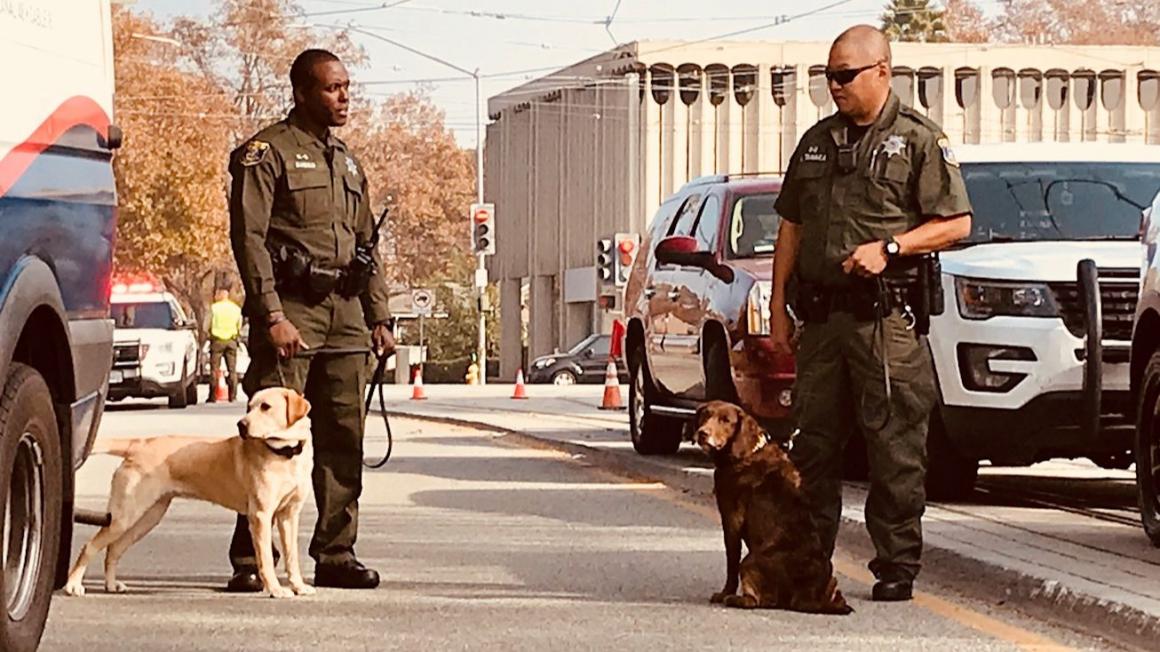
(307, 165)
(814, 154)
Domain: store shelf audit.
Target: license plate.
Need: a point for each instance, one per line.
(116, 377)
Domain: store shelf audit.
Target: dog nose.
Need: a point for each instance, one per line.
(243, 429)
(702, 437)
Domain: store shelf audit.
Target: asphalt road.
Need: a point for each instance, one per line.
(485, 544)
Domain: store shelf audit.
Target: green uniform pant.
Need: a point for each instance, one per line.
(840, 386)
(227, 349)
(335, 386)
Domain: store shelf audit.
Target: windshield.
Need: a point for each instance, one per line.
(753, 226)
(582, 345)
(143, 315)
(1058, 201)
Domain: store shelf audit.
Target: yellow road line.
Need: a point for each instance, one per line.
(980, 622)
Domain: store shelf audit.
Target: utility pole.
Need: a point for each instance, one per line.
(481, 269)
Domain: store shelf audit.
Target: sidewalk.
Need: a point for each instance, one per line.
(1069, 566)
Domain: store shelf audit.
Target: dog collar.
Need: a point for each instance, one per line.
(767, 439)
(289, 451)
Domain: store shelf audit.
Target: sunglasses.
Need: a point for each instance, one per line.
(845, 76)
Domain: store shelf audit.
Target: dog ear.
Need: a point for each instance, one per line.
(296, 407)
(746, 435)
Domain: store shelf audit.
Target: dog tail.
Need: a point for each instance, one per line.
(114, 446)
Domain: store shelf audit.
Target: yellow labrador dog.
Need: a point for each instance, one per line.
(264, 473)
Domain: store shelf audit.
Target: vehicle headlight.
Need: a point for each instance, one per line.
(547, 362)
(167, 368)
(985, 299)
(166, 347)
(758, 310)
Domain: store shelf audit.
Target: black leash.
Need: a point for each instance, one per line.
(880, 334)
(376, 383)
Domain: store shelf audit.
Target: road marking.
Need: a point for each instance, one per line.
(1022, 638)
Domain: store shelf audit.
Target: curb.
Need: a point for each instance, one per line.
(972, 578)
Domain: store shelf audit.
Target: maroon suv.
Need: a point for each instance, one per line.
(697, 308)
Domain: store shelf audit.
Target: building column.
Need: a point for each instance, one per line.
(763, 129)
(511, 328)
(651, 156)
(542, 316)
(1135, 119)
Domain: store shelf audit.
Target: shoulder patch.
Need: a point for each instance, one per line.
(948, 154)
(254, 153)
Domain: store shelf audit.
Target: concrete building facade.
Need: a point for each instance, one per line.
(594, 148)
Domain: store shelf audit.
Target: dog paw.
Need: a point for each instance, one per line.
(303, 589)
(116, 587)
(280, 592)
(75, 589)
(741, 601)
(719, 597)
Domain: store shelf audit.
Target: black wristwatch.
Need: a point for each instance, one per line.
(892, 249)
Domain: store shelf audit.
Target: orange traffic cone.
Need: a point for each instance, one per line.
(220, 392)
(521, 391)
(611, 389)
(417, 393)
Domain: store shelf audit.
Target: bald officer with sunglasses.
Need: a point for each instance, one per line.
(867, 191)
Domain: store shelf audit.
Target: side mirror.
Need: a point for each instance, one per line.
(684, 250)
(677, 250)
(588, 353)
(113, 139)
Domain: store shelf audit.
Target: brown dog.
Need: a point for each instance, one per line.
(264, 473)
(761, 503)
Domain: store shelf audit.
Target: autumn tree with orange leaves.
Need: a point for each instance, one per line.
(1072, 22)
(170, 182)
(190, 92)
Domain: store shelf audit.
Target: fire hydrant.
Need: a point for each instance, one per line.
(472, 376)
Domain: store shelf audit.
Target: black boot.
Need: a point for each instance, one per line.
(350, 574)
(245, 580)
(893, 586)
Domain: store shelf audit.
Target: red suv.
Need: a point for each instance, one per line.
(697, 308)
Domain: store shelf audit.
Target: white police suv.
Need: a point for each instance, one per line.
(155, 351)
(1031, 352)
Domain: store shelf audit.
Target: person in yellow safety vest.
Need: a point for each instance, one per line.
(224, 329)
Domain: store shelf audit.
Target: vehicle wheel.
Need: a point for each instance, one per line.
(1148, 449)
(949, 475)
(719, 372)
(191, 392)
(652, 434)
(180, 396)
(563, 377)
(31, 496)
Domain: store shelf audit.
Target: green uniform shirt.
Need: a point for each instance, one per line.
(904, 173)
(291, 188)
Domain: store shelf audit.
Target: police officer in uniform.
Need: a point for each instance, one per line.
(299, 207)
(225, 327)
(868, 191)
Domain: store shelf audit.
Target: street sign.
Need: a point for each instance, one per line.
(423, 301)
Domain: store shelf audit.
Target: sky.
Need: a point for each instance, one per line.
(502, 36)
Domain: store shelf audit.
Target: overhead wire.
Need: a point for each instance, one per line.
(381, 7)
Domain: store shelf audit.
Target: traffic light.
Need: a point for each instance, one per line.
(627, 245)
(604, 262)
(483, 229)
